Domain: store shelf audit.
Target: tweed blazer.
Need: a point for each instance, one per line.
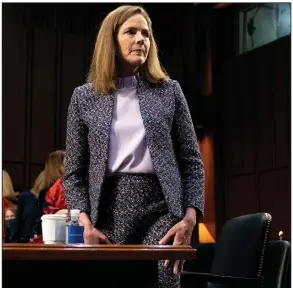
(170, 137)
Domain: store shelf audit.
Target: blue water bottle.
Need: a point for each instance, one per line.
(74, 230)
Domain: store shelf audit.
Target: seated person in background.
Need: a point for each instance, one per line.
(54, 169)
(52, 201)
(9, 195)
(39, 190)
(31, 203)
(9, 198)
(28, 217)
(53, 172)
(10, 214)
(55, 199)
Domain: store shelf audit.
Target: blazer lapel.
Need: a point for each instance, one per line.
(157, 122)
(148, 109)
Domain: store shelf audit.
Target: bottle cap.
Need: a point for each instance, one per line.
(74, 213)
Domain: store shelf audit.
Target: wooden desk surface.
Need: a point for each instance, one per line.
(79, 252)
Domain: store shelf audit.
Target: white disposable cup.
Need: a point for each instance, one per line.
(53, 228)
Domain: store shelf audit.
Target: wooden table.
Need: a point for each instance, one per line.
(81, 265)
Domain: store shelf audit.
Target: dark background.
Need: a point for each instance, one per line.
(46, 53)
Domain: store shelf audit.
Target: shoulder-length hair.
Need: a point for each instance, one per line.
(54, 168)
(103, 68)
(8, 190)
(39, 184)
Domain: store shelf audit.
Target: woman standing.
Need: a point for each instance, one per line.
(133, 166)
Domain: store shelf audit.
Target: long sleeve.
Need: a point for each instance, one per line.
(188, 154)
(54, 200)
(76, 163)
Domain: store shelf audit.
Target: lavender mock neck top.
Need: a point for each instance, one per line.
(128, 151)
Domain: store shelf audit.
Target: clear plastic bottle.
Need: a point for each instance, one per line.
(74, 232)
(74, 217)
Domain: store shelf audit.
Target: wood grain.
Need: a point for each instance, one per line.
(96, 252)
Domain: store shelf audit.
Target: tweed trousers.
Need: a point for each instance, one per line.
(133, 211)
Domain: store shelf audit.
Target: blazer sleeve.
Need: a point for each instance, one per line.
(74, 180)
(188, 154)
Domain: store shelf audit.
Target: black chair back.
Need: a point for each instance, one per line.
(276, 264)
(241, 247)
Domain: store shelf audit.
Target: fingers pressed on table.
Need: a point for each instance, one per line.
(166, 263)
(181, 265)
(175, 266)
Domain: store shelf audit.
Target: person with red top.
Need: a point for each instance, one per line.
(54, 203)
(55, 199)
(49, 190)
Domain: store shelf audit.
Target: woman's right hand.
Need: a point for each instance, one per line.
(94, 236)
(91, 235)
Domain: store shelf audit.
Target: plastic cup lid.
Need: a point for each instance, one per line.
(53, 217)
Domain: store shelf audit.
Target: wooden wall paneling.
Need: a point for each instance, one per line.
(276, 200)
(245, 114)
(239, 118)
(87, 39)
(58, 75)
(281, 103)
(240, 196)
(14, 84)
(30, 14)
(188, 53)
(35, 170)
(16, 172)
(220, 142)
(171, 56)
(225, 92)
(247, 118)
(43, 94)
(260, 79)
(223, 85)
(207, 151)
(248, 155)
(95, 13)
(233, 130)
(90, 40)
(72, 67)
(265, 125)
(234, 155)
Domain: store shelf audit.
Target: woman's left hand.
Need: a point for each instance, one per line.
(181, 232)
(62, 212)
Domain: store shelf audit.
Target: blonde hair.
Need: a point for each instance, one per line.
(102, 72)
(39, 184)
(54, 168)
(8, 190)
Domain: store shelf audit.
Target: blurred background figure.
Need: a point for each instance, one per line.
(32, 204)
(10, 212)
(9, 199)
(9, 195)
(53, 200)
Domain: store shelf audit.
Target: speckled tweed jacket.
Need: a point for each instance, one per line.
(170, 137)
